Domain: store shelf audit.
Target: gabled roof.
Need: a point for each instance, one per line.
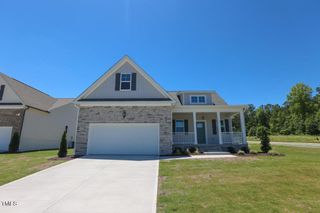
(114, 69)
(28, 95)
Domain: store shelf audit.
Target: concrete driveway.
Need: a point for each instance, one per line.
(90, 184)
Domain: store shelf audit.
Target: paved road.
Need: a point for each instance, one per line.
(88, 185)
(294, 144)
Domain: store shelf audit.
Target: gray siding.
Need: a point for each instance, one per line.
(143, 90)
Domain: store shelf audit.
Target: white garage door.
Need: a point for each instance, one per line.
(5, 137)
(123, 139)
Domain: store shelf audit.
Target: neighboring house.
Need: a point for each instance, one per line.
(38, 118)
(126, 112)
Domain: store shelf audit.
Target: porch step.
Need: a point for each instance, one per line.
(216, 153)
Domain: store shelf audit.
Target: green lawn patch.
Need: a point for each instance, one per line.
(290, 138)
(18, 165)
(245, 184)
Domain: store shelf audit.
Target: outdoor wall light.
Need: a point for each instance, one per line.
(124, 114)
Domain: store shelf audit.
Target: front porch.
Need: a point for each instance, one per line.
(203, 129)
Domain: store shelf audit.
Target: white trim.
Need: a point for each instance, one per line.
(209, 108)
(115, 68)
(12, 107)
(130, 89)
(198, 103)
(124, 103)
(205, 130)
(194, 120)
(219, 128)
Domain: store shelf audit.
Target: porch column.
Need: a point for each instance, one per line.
(243, 127)
(219, 128)
(195, 127)
(230, 125)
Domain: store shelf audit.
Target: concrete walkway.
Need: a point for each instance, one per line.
(294, 144)
(88, 185)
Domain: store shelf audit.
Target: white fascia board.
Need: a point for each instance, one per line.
(235, 108)
(12, 107)
(121, 103)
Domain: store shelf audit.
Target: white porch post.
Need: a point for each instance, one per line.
(243, 127)
(219, 128)
(230, 125)
(195, 127)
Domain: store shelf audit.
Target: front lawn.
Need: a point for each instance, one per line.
(245, 184)
(15, 166)
(290, 138)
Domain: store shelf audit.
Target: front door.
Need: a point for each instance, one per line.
(201, 132)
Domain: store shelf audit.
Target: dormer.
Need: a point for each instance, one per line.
(199, 98)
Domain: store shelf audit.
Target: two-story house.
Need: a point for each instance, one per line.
(126, 112)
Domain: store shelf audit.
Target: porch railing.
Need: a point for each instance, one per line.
(227, 138)
(183, 137)
(232, 137)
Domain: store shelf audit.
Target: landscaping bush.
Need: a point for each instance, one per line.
(240, 152)
(14, 143)
(252, 131)
(177, 151)
(63, 150)
(263, 135)
(253, 152)
(245, 149)
(273, 153)
(192, 149)
(232, 150)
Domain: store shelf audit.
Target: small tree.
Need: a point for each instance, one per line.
(14, 143)
(63, 150)
(263, 135)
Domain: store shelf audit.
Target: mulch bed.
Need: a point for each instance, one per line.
(69, 157)
(262, 154)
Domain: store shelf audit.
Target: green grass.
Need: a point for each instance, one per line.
(255, 184)
(15, 166)
(290, 138)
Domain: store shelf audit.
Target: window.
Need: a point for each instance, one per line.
(179, 125)
(125, 81)
(222, 126)
(198, 99)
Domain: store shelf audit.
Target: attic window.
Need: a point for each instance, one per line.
(198, 99)
(125, 82)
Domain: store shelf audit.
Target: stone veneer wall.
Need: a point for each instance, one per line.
(134, 114)
(12, 117)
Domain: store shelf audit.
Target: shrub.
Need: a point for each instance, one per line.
(177, 151)
(240, 152)
(245, 149)
(192, 149)
(253, 152)
(252, 131)
(263, 135)
(63, 150)
(232, 150)
(14, 143)
(273, 153)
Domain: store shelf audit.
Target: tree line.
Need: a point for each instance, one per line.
(300, 114)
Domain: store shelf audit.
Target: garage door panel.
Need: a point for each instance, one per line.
(137, 139)
(5, 137)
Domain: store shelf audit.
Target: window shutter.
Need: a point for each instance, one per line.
(134, 81)
(117, 84)
(186, 126)
(2, 91)
(226, 121)
(173, 125)
(214, 126)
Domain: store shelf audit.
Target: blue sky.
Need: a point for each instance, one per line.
(247, 50)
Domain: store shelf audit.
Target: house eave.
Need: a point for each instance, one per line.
(209, 108)
(123, 103)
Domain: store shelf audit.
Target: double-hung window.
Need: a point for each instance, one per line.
(180, 126)
(125, 81)
(198, 99)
